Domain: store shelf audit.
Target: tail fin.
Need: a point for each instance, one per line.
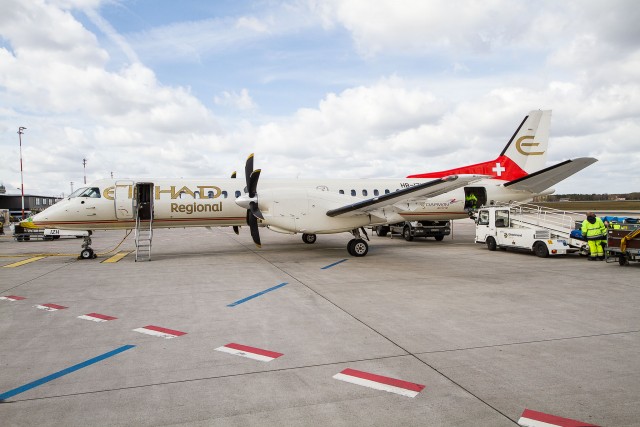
(525, 153)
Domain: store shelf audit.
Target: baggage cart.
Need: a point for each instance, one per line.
(623, 244)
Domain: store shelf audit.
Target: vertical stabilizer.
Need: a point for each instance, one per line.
(528, 146)
(525, 153)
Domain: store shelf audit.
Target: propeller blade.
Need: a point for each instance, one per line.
(252, 184)
(253, 226)
(248, 169)
(255, 210)
(236, 229)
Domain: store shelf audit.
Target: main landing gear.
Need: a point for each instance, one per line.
(358, 247)
(87, 252)
(309, 238)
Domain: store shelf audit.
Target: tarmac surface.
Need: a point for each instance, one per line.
(476, 337)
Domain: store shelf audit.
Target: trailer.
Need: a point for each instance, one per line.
(25, 234)
(532, 228)
(623, 244)
(411, 229)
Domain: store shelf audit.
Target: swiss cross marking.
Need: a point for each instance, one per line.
(498, 169)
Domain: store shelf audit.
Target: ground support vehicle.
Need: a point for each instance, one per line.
(411, 229)
(24, 234)
(623, 244)
(519, 226)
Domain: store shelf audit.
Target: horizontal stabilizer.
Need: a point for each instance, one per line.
(539, 181)
(425, 189)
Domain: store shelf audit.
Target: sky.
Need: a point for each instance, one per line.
(334, 88)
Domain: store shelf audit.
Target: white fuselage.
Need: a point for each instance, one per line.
(211, 202)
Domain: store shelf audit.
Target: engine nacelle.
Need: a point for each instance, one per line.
(305, 211)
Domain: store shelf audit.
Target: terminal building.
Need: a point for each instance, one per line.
(32, 203)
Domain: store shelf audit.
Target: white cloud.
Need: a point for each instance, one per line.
(241, 101)
(59, 81)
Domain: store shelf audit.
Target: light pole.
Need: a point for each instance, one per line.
(20, 129)
(84, 165)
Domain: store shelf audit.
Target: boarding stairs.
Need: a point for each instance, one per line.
(144, 235)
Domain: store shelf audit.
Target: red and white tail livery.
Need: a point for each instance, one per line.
(524, 154)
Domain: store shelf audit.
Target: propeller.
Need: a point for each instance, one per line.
(249, 201)
(236, 229)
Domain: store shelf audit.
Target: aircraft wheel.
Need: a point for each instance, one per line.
(357, 247)
(406, 233)
(309, 238)
(439, 238)
(87, 254)
(491, 244)
(541, 250)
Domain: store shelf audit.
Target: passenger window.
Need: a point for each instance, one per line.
(237, 194)
(224, 194)
(387, 191)
(483, 218)
(196, 195)
(364, 193)
(376, 193)
(341, 191)
(353, 192)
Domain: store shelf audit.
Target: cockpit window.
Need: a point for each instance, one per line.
(78, 192)
(93, 192)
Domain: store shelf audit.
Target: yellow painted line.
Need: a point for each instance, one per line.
(23, 262)
(117, 257)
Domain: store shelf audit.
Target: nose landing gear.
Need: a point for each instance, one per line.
(87, 252)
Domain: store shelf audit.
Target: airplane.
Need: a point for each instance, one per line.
(316, 206)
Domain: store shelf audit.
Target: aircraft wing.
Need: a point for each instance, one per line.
(548, 177)
(426, 189)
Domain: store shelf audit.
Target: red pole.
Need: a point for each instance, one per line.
(20, 129)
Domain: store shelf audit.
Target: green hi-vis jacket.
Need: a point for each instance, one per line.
(595, 231)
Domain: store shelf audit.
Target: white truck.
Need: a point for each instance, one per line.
(508, 227)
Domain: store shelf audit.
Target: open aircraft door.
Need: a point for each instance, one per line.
(124, 201)
(144, 200)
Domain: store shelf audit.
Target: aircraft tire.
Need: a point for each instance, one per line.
(491, 243)
(309, 238)
(86, 254)
(357, 247)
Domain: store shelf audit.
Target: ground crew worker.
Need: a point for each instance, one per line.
(470, 201)
(594, 230)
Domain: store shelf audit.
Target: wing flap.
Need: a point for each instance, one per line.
(548, 177)
(426, 189)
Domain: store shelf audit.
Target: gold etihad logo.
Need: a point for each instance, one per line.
(202, 192)
(520, 146)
